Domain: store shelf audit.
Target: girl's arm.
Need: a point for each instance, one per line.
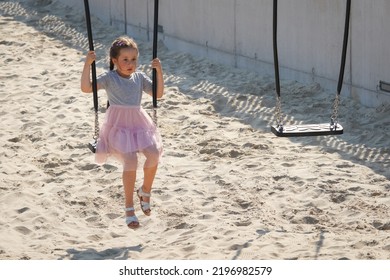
(156, 64)
(86, 84)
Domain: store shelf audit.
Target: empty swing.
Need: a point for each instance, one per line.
(331, 128)
(93, 144)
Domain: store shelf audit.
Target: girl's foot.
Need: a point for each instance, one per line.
(131, 220)
(145, 206)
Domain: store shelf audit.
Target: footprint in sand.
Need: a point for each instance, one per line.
(382, 226)
(23, 230)
(22, 210)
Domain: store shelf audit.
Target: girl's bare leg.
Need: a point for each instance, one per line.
(128, 178)
(150, 169)
(149, 175)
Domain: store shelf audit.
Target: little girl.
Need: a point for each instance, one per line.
(128, 130)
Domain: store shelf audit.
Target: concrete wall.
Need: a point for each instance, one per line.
(239, 33)
(370, 50)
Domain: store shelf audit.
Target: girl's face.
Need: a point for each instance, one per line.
(126, 62)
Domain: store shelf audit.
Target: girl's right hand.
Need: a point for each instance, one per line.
(91, 57)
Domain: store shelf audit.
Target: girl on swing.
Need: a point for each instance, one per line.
(127, 129)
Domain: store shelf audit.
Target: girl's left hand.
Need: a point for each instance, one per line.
(156, 64)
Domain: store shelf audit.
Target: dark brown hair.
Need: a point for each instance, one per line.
(118, 44)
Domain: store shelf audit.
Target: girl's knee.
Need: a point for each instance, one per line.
(130, 162)
(152, 155)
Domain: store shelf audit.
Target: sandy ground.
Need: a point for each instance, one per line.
(227, 188)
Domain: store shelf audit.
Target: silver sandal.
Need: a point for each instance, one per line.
(131, 221)
(145, 206)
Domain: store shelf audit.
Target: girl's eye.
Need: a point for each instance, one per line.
(127, 59)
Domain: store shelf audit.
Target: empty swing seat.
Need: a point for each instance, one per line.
(307, 130)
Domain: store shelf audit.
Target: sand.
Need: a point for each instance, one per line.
(227, 188)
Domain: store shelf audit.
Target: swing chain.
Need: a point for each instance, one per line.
(334, 117)
(93, 145)
(279, 113)
(96, 136)
(155, 116)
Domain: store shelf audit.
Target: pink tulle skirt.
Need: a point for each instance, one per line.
(127, 132)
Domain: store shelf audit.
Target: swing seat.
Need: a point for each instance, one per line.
(307, 130)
